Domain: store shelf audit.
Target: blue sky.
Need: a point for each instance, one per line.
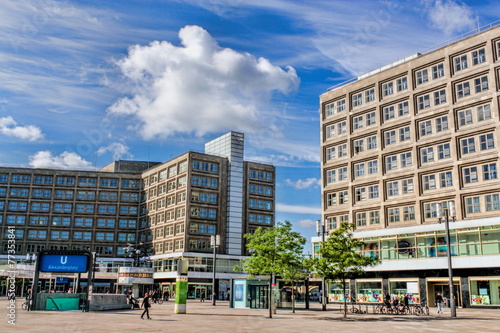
(83, 83)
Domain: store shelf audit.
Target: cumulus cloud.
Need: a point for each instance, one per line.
(450, 16)
(198, 87)
(303, 184)
(8, 126)
(118, 150)
(307, 223)
(66, 160)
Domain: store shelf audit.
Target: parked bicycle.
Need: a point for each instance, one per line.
(421, 309)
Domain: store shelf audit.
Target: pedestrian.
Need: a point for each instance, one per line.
(202, 297)
(146, 304)
(439, 302)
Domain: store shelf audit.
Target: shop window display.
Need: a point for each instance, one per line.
(485, 292)
(401, 289)
(336, 292)
(369, 292)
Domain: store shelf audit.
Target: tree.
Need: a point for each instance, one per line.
(273, 251)
(340, 258)
(294, 270)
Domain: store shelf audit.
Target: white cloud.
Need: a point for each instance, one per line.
(9, 127)
(307, 223)
(66, 160)
(297, 209)
(118, 149)
(450, 16)
(303, 184)
(198, 87)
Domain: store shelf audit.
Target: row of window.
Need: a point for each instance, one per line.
(166, 201)
(261, 219)
(68, 194)
(261, 175)
(61, 180)
(165, 188)
(169, 172)
(169, 230)
(469, 145)
(169, 215)
(67, 221)
(67, 235)
(464, 117)
(22, 206)
(421, 76)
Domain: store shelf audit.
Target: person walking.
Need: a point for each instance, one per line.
(439, 302)
(146, 304)
(202, 297)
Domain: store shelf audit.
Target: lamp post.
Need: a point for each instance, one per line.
(321, 230)
(214, 242)
(449, 214)
(137, 252)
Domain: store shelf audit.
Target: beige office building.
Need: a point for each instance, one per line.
(403, 140)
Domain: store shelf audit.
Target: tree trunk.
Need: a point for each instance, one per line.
(293, 298)
(270, 300)
(345, 299)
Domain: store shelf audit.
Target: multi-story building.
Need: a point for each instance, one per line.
(172, 208)
(403, 140)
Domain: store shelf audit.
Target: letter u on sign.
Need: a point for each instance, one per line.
(64, 260)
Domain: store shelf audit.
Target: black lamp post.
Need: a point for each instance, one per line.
(321, 230)
(138, 252)
(449, 214)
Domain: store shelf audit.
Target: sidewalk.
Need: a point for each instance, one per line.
(206, 318)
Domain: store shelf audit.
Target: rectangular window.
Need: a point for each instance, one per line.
(465, 117)
(388, 88)
(359, 170)
(441, 123)
(375, 217)
(443, 151)
(371, 142)
(427, 154)
(373, 192)
(357, 122)
(371, 118)
(487, 141)
(390, 137)
(372, 167)
(407, 186)
(409, 213)
(402, 83)
(492, 202)
(424, 102)
(467, 146)
(389, 112)
(360, 219)
(403, 108)
(341, 127)
(357, 99)
(490, 171)
(470, 175)
(483, 112)
(437, 71)
(330, 131)
(460, 62)
(422, 76)
(405, 159)
(369, 95)
(329, 109)
(463, 89)
(478, 56)
(481, 84)
(392, 189)
(359, 146)
(342, 150)
(393, 215)
(472, 205)
(391, 162)
(440, 97)
(425, 127)
(404, 133)
(343, 173)
(429, 182)
(445, 179)
(341, 105)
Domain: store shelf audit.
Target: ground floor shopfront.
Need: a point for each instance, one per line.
(469, 290)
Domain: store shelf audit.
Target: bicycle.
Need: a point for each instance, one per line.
(357, 309)
(26, 305)
(421, 309)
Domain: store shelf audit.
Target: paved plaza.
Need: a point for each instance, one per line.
(203, 317)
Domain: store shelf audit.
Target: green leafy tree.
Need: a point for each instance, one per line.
(340, 258)
(273, 251)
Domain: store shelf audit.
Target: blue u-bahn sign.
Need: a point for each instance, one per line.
(64, 263)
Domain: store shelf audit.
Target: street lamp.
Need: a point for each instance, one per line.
(321, 230)
(449, 214)
(214, 242)
(138, 252)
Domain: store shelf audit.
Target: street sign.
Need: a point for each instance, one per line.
(60, 279)
(63, 263)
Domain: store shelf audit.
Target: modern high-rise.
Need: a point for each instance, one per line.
(171, 208)
(403, 140)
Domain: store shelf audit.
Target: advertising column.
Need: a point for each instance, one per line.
(181, 286)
